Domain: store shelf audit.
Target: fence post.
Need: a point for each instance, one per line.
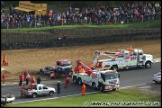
(62, 21)
(142, 18)
(7, 24)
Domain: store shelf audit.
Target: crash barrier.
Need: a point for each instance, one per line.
(19, 40)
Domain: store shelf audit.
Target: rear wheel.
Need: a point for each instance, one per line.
(51, 93)
(148, 64)
(94, 86)
(34, 95)
(126, 67)
(75, 80)
(115, 67)
(114, 89)
(101, 88)
(80, 81)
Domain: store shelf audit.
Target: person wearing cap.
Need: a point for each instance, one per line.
(58, 87)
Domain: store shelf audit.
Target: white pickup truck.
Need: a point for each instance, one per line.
(39, 89)
(7, 99)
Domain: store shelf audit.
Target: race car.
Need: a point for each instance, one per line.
(157, 77)
(47, 70)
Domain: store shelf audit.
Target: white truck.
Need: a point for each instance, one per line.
(7, 99)
(104, 80)
(38, 90)
(123, 59)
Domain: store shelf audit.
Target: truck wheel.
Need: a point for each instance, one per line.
(80, 81)
(75, 80)
(34, 95)
(101, 88)
(115, 67)
(114, 89)
(51, 93)
(94, 86)
(148, 64)
(127, 67)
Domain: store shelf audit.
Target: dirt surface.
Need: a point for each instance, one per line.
(154, 88)
(35, 59)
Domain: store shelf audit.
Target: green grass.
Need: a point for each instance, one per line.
(147, 24)
(123, 95)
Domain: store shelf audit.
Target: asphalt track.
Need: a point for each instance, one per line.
(128, 78)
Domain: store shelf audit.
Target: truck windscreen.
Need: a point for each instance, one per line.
(111, 75)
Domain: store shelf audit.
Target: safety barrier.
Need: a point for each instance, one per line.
(19, 40)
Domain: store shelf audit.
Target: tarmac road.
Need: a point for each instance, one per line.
(127, 78)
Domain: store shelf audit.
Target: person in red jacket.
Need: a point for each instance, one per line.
(21, 79)
(67, 82)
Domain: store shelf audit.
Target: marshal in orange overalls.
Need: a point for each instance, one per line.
(3, 77)
(4, 59)
(83, 89)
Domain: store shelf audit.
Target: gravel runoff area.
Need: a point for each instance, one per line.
(35, 59)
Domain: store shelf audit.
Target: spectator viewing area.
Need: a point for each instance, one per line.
(27, 6)
(39, 14)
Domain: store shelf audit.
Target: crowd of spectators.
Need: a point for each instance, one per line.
(137, 11)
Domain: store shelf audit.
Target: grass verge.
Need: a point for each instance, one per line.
(123, 97)
(147, 24)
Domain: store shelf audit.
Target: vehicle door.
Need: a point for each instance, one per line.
(45, 90)
(133, 61)
(40, 90)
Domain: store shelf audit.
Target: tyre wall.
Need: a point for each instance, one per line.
(44, 39)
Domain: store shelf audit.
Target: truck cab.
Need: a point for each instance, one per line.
(109, 80)
(63, 66)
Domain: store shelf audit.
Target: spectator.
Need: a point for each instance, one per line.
(2, 4)
(89, 15)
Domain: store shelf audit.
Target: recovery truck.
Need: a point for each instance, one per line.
(123, 59)
(104, 80)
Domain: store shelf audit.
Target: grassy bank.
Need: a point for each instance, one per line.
(147, 24)
(115, 98)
